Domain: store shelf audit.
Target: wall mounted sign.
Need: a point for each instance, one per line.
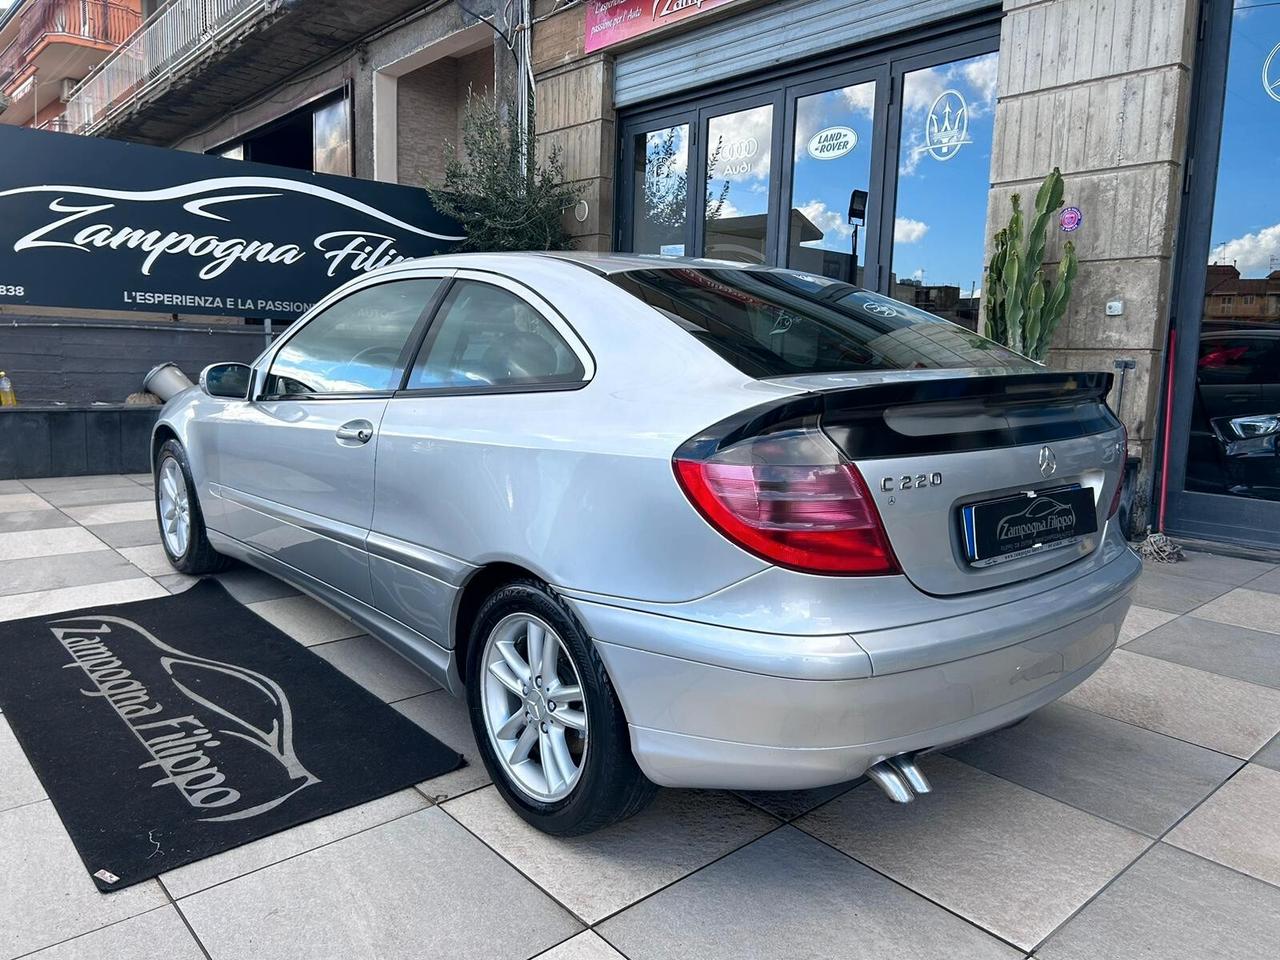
(1271, 73)
(832, 143)
(612, 21)
(1070, 219)
(946, 127)
(99, 224)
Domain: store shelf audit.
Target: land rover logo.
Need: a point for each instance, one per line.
(1048, 463)
(832, 143)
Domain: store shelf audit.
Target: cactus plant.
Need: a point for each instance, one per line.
(1021, 307)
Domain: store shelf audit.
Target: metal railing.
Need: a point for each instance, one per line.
(100, 21)
(170, 38)
(58, 124)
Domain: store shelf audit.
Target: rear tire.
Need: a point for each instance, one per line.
(182, 530)
(588, 778)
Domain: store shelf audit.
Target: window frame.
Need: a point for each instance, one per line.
(553, 317)
(262, 366)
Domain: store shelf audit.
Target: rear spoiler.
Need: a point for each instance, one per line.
(944, 415)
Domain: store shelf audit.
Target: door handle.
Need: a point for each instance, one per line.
(355, 432)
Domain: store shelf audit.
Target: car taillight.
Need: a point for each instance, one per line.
(1124, 461)
(790, 498)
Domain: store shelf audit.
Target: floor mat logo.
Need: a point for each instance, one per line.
(220, 734)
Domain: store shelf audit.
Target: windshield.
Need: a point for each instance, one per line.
(779, 323)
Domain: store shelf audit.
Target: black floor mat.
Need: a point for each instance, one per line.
(168, 730)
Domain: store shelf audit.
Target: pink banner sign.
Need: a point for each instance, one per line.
(612, 21)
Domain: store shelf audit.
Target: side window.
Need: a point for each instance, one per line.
(485, 336)
(355, 345)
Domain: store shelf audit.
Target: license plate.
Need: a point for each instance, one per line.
(996, 531)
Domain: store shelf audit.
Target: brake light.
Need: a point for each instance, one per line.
(791, 498)
(1124, 461)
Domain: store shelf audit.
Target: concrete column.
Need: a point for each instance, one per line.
(1101, 89)
(575, 113)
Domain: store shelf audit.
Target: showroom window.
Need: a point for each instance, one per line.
(873, 170)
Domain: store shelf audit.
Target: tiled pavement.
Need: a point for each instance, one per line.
(1139, 817)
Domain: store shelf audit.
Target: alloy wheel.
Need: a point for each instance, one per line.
(533, 706)
(175, 507)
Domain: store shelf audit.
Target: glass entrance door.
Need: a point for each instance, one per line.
(1224, 476)
(875, 170)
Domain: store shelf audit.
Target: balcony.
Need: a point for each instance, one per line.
(57, 40)
(193, 61)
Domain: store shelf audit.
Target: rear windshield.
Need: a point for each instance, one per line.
(778, 323)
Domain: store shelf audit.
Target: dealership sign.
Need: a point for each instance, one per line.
(612, 21)
(93, 223)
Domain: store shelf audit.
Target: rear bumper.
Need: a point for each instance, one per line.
(700, 724)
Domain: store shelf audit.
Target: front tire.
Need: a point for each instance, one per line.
(182, 530)
(549, 726)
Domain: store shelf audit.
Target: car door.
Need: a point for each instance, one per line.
(493, 356)
(295, 466)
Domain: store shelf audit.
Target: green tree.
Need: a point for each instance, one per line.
(496, 187)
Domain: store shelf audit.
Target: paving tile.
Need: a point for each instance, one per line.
(445, 717)
(19, 545)
(46, 891)
(1176, 594)
(236, 862)
(1015, 862)
(157, 935)
(71, 570)
(1268, 582)
(1254, 609)
(1208, 566)
(603, 872)
(16, 502)
(113, 513)
(377, 668)
(22, 605)
(177, 582)
(420, 886)
(150, 559)
(1141, 619)
(307, 621)
(96, 482)
(787, 895)
(249, 585)
(585, 946)
(93, 496)
(1269, 756)
(789, 804)
(1232, 651)
(18, 781)
(13, 486)
(1220, 713)
(134, 533)
(1171, 905)
(1239, 825)
(34, 520)
(1135, 777)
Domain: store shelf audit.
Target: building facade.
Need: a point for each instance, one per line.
(878, 141)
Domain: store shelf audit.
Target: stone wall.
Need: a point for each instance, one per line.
(1101, 90)
(575, 114)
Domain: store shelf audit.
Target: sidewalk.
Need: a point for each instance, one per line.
(1139, 817)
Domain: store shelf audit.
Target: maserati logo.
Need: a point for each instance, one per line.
(1271, 73)
(1048, 462)
(946, 128)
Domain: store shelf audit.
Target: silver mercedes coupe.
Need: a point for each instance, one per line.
(669, 521)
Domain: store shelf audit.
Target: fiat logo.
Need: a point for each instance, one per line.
(1048, 463)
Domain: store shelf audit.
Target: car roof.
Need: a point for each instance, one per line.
(603, 264)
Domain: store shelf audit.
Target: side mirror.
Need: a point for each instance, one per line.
(228, 380)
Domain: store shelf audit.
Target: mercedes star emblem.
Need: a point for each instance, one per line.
(1048, 463)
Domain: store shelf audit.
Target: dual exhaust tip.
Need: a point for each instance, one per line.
(899, 778)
